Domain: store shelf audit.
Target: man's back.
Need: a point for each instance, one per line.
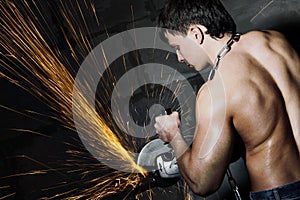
(262, 82)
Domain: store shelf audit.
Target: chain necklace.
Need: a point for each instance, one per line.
(233, 185)
(222, 53)
(235, 38)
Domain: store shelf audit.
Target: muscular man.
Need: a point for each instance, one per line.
(254, 93)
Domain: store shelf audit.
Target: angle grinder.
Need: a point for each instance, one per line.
(159, 159)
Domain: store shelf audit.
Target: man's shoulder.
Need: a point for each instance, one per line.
(263, 45)
(203, 91)
(212, 93)
(255, 38)
(263, 33)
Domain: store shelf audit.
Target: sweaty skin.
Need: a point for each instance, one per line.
(261, 81)
(264, 103)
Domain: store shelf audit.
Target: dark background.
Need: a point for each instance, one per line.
(22, 152)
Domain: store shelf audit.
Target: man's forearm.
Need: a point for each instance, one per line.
(184, 161)
(179, 145)
(191, 169)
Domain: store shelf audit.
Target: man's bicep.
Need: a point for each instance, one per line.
(203, 119)
(213, 138)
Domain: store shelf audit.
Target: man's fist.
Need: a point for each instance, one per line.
(167, 126)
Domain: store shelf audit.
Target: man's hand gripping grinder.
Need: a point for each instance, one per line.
(159, 159)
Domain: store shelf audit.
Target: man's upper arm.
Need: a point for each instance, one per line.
(213, 140)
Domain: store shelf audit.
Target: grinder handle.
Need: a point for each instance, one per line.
(168, 111)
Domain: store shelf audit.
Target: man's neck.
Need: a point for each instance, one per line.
(213, 46)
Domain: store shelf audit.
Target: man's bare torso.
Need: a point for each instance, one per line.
(261, 76)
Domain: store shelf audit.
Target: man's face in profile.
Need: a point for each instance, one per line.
(188, 50)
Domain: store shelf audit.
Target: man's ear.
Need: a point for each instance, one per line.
(196, 33)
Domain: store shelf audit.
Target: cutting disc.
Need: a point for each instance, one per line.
(149, 153)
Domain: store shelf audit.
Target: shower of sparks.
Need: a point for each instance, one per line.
(267, 5)
(32, 64)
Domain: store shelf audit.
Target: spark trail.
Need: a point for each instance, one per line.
(39, 69)
(30, 62)
(261, 10)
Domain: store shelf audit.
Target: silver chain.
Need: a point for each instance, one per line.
(234, 187)
(220, 55)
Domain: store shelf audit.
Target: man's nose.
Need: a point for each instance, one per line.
(179, 56)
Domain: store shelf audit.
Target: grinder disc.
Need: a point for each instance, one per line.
(149, 153)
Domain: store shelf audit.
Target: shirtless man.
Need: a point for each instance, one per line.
(260, 82)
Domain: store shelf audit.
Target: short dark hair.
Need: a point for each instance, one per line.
(178, 15)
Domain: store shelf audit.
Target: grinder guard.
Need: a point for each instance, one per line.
(159, 157)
